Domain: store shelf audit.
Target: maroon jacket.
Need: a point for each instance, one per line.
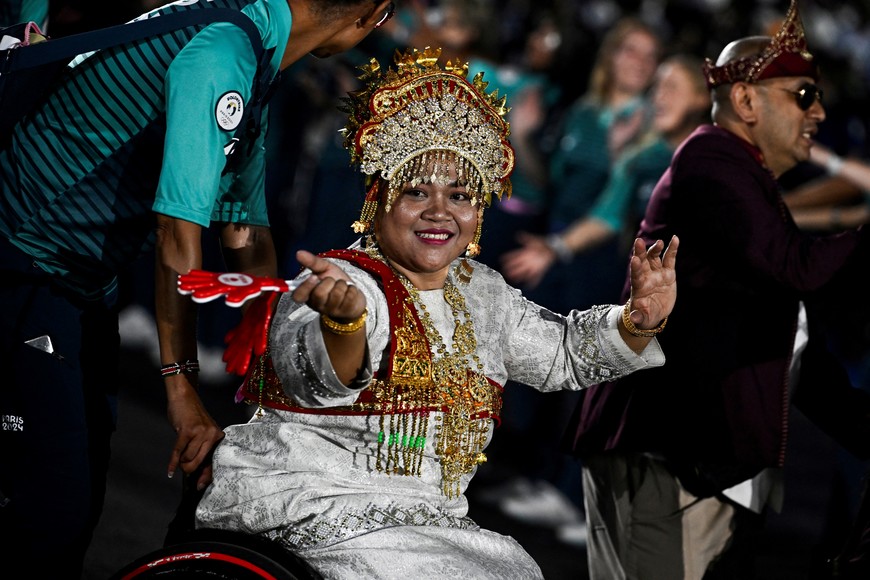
(718, 407)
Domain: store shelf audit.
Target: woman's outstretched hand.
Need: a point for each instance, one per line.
(653, 282)
(328, 290)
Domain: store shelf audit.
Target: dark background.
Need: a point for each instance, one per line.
(141, 500)
(822, 483)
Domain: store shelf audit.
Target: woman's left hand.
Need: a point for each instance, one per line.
(653, 282)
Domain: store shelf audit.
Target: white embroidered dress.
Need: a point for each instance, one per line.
(310, 481)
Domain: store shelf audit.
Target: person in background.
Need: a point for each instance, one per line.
(128, 154)
(590, 136)
(839, 200)
(534, 95)
(389, 359)
(680, 465)
(594, 133)
(310, 168)
(680, 102)
(458, 27)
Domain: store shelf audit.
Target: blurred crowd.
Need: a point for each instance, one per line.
(601, 93)
(555, 59)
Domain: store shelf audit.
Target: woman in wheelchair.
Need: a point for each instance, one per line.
(381, 384)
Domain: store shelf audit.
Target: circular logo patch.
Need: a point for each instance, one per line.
(228, 111)
(235, 279)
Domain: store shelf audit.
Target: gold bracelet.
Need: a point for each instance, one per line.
(635, 331)
(339, 328)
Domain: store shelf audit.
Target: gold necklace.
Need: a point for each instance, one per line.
(464, 393)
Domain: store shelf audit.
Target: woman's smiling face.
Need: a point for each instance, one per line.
(428, 226)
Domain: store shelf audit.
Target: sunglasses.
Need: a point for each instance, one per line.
(391, 10)
(806, 95)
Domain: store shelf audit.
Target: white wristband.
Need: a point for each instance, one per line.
(556, 243)
(834, 164)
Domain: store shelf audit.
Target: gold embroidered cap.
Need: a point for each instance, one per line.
(409, 123)
(786, 55)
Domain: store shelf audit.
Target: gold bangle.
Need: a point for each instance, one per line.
(635, 331)
(339, 328)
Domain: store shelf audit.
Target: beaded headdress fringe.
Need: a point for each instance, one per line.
(409, 124)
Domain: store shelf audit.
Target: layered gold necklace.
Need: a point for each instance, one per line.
(423, 377)
(463, 393)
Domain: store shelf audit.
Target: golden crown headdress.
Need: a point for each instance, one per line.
(786, 55)
(408, 123)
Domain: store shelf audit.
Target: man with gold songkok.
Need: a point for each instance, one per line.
(680, 464)
(382, 380)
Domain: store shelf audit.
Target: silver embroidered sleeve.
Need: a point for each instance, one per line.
(299, 354)
(545, 350)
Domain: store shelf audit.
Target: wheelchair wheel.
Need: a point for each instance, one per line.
(219, 555)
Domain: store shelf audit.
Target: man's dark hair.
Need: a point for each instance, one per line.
(328, 9)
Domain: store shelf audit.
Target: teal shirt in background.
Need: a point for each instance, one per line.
(623, 202)
(581, 164)
(512, 81)
(580, 173)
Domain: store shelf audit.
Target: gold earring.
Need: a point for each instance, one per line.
(464, 271)
(473, 248)
(369, 208)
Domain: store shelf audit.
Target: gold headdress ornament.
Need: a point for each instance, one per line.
(409, 123)
(786, 55)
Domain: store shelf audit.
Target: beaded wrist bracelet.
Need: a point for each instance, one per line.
(641, 332)
(339, 328)
(190, 366)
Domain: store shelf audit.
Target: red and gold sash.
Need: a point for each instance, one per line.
(412, 387)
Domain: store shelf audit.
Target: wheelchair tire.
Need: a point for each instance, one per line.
(219, 555)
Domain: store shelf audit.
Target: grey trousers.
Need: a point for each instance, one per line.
(644, 526)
